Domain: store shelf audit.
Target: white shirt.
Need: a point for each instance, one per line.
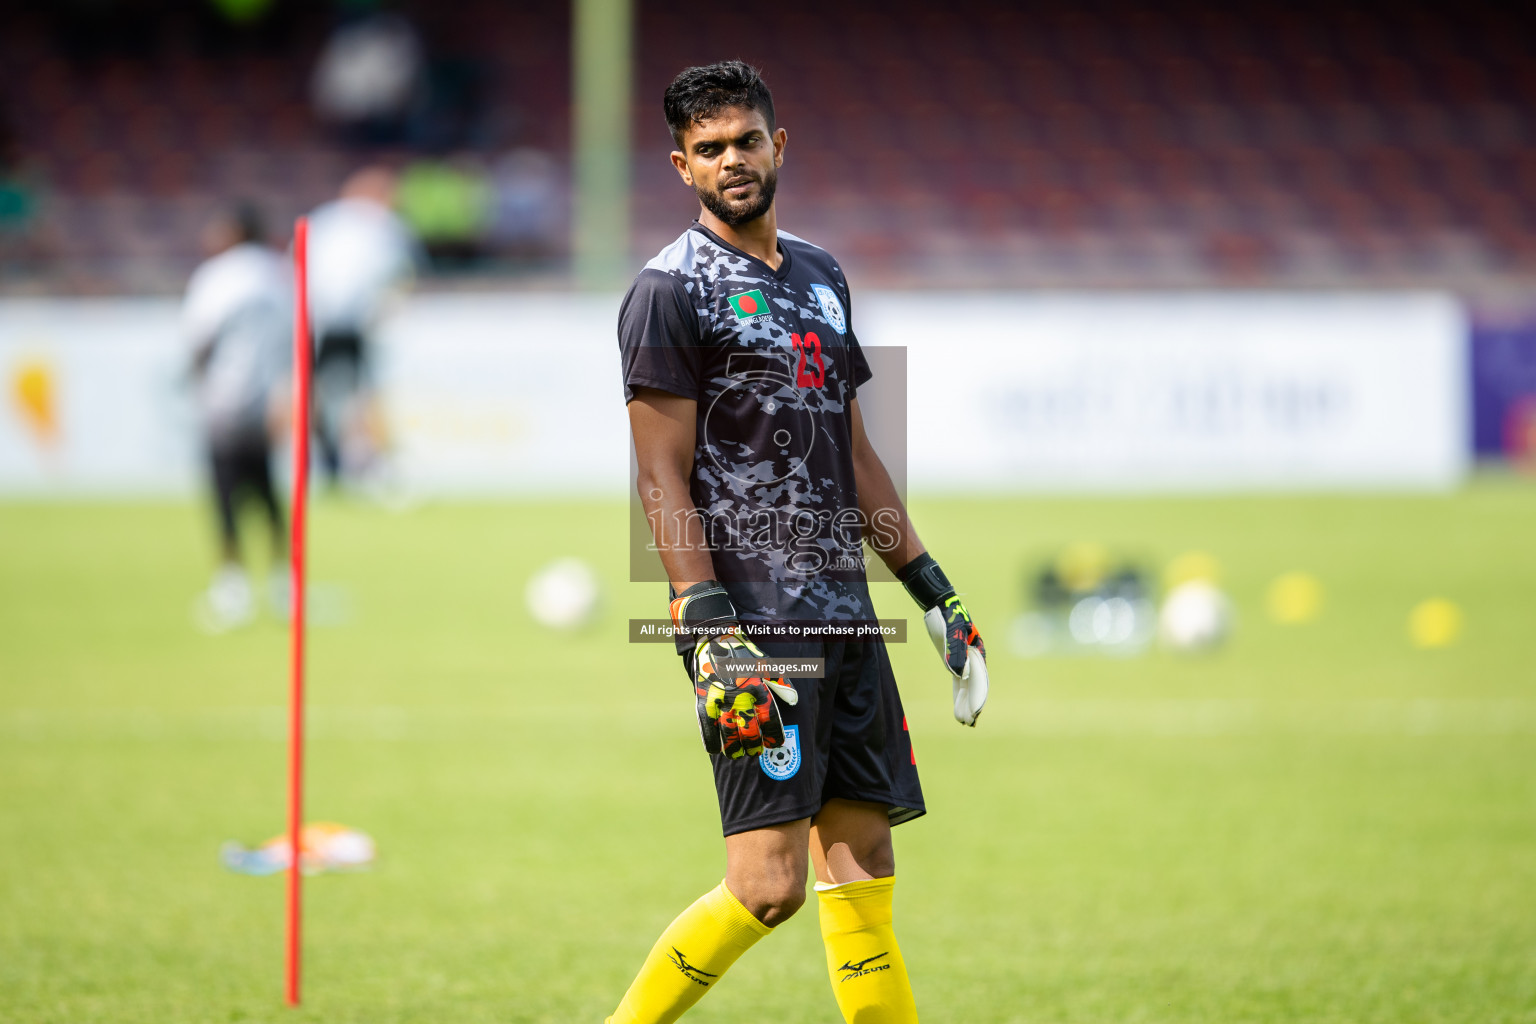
(360, 255)
(240, 303)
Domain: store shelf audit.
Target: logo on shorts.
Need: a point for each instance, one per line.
(780, 763)
(858, 970)
(831, 308)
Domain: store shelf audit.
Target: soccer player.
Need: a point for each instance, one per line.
(741, 372)
(237, 318)
(361, 257)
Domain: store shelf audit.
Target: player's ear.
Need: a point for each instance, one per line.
(779, 138)
(681, 163)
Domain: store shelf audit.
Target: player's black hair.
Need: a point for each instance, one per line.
(700, 93)
(249, 224)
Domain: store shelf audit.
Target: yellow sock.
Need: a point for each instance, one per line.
(869, 977)
(689, 958)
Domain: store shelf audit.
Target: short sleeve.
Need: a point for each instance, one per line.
(858, 365)
(659, 337)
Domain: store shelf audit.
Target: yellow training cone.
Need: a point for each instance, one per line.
(35, 395)
(1294, 598)
(1434, 623)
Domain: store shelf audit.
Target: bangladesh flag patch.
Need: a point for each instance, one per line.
(748, 306)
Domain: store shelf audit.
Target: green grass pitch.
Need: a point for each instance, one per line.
(1320, 823)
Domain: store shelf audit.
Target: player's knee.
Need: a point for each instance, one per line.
(779, 902)
(772, 898)
(861, 856)
(879, 859)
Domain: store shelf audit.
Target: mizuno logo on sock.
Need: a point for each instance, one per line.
(694, 974)
(862, 968)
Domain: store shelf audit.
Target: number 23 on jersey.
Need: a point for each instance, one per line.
(810, 372)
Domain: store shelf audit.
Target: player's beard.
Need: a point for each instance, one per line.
(739, 211)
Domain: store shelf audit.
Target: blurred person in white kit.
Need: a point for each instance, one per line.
(238, 320)
(362, 257)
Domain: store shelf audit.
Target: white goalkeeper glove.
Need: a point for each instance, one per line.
(952, 632)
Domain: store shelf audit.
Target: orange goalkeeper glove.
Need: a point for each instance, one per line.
(738, 715)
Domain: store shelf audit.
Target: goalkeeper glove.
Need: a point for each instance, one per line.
(953, 633)
(738, 715)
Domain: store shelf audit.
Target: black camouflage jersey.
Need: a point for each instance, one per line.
(771, 358)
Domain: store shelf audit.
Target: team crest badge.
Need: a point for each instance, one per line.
(831, 308)
(780, 763)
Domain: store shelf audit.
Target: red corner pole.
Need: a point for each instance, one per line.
(301, 375)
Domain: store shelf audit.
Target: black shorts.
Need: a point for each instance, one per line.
(341, 373)
(846, 738)
(345, 349)
(239, 468)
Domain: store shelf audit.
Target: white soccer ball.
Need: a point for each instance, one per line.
(1196, 616)
(563, 594)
